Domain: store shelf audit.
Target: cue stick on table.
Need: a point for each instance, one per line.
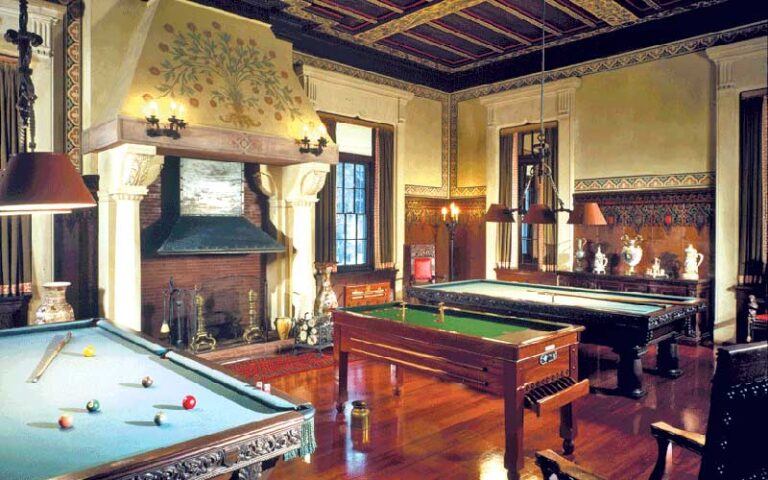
(611, 298)
(47, 359)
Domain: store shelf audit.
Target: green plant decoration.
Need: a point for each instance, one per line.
(248, 80)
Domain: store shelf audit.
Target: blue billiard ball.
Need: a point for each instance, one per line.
(93, 406)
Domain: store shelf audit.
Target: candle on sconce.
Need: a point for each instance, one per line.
(454, 212)
(173, 108)
(444, 211)
(151, 109)
(180, 110)
(306, 131)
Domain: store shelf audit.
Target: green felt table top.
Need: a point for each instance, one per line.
(623, 302)
(500, 328)
(34, 447)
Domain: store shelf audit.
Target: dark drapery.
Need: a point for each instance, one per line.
(325, 209)
(15, 243)
(752, 227)
(548, 233)
(506, 195)
(386, 162)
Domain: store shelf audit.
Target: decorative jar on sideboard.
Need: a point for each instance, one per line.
(580, 255)
(692, 262)
(632, 253)
(601, 262)
(54, 307)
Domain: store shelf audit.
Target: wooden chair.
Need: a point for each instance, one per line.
(420, 264)
(733, 447)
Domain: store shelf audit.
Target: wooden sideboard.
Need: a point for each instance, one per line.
(667, 286)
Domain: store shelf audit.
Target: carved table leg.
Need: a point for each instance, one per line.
(661, 460)
(251, 472)
(630, 374)
(341, 358)
(667, 360)
(513, 423)
(567, 428)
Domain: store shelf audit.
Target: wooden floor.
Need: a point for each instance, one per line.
(439, 430)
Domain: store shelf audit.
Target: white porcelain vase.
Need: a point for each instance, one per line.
(691, 263)
(600, 263)
(54, 307)
(632, 253)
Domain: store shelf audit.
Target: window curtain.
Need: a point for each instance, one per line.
(15, 233)
(547, 246)
(752, 216)
(325, 210)
(385, 160)
(507, 155)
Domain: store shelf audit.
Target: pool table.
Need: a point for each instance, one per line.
(233, 430)
(628, 322)
(532, 364)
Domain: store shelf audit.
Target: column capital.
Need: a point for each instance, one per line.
(129, 169)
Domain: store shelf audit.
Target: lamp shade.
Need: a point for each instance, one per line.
(540, 214)
(42, 182)
(498, 213)
(587, 213)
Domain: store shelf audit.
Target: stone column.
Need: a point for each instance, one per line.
(125, 173)
(292, 193)
(740, 67)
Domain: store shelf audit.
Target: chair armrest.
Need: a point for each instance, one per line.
(563, 469)
(688, 440)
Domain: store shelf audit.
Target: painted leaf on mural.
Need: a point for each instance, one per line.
(225, 71)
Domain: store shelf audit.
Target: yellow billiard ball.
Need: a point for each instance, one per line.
(89, 351)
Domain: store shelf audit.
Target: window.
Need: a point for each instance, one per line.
(354, 196)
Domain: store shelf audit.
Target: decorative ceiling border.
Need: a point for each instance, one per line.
(296, 9)
(418, 90)
(669, 50)
(645, 182)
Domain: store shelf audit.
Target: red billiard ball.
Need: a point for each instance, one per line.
(65, 421)
(189, 402)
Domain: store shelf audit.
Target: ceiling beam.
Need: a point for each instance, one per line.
(525, 17)
(468, 38)
(572, 13)
(608, 11)
(391, 8)
(416, 18)
(490, 26)
(344, 11)
(447, 48)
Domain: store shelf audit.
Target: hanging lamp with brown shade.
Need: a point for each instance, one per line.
(540, 213)
(36, 182)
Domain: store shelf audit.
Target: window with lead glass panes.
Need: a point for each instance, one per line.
(354, 189)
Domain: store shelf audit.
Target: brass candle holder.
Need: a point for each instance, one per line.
(253, 331)
(402, 312)
(441, 312)
(202, 340)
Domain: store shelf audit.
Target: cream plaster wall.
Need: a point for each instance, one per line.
(653, 118)
(471, 146)
(423, 142)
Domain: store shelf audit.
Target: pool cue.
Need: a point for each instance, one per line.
(47, 359)
(610, 298)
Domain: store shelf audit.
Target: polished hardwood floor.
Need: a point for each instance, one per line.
(441, 430)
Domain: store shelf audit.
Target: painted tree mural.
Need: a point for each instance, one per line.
(228, 71)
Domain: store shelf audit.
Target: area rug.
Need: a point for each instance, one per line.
(265, 369)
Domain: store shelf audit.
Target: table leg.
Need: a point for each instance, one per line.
(667, 361)
(630, 374)
(513, 424)
(567, 428)
(397, 374)
(341, 360)
(251, 472)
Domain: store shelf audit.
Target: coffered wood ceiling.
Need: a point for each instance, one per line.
(453, 44)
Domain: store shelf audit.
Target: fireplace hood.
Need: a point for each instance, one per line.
(217, 235)
(242, 100)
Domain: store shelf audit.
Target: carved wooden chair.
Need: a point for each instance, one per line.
(420, 264)
(733, 447)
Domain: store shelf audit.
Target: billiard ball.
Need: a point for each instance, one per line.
(93, 406)
(65, 421)
(147, 382)
(160, 418)
(189, 402)
(89, 351)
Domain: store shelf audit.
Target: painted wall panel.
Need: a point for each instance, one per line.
(423, 142)
(471, 144)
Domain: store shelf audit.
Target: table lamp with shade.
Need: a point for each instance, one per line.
(36, 182)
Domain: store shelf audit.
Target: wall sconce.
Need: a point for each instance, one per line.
(175, 122)
(306, 145)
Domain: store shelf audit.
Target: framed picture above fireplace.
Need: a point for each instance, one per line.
(210, 188)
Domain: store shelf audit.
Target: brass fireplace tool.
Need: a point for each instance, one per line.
(202, 340)
(253, 331)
